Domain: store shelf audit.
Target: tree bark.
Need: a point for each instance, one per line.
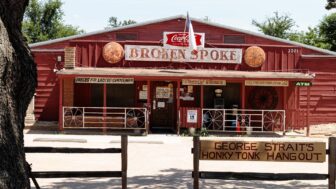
(17, 87)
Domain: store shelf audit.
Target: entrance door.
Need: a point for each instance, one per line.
(163, 114)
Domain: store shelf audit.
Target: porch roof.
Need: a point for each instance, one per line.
(183, 73)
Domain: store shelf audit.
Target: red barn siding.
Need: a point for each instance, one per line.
(47, 91)
(277, 58)
(323, 91)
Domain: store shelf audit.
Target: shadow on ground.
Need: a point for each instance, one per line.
(173, 179)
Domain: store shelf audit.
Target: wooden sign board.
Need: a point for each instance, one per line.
(104, 80)
(203, 82)
(183, 54)
(265, 83)
(263, 151)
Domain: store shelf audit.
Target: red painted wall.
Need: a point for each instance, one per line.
(323, 91)
(278, 58)
(47, 91)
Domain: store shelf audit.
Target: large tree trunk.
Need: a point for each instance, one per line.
(17, 86)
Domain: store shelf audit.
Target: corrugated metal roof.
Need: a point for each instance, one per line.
(183, 17)
(180, 73)
(105, 31)
(317, 56)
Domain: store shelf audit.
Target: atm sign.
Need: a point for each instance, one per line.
(303, 84)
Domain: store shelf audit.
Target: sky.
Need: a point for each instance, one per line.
(93, 15)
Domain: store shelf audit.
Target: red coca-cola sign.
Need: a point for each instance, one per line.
(181, 39)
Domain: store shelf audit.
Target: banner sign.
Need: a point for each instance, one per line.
(181, 39)
(203, 82)
(180, 54)
(266, 83)
(104, 80)
(263, 151)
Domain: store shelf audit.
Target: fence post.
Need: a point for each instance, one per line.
(196, 161)
(124, 161)
(332, 163)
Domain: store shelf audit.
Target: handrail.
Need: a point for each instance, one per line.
(105, 117)
(243, 120)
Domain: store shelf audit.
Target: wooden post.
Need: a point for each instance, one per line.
(296, 111)
(332, 163)
(200, 124)
(196, 161)
(243, 95)
(104, 107)
(178, 105)
(285, 105)
(60, 105)
(149, 104)
(308, 110)
(202, 97)
(124, 161)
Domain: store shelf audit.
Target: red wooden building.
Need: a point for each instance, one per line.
(238, 80)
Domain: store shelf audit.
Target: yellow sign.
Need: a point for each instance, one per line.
(202, 82)
(273, 83)
(162, 92)
(104, 80)
(263, 151)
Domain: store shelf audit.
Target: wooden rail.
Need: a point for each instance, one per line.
(331, 176)
(76, 174)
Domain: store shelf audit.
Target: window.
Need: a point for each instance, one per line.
(234, 39)
(120, 95)
(126, 36)
(97, 95)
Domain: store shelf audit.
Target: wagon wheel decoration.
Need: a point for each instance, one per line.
(213, 119)
(73, 117)
(273, 120)
(244, 120)
(135, 118)
(263, 98)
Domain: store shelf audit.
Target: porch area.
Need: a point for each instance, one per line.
(150, 100)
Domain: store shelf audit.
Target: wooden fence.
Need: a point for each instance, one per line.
(331, 176)
(68, 174)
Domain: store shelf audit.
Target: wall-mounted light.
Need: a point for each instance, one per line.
(58, 64)
(59, 58)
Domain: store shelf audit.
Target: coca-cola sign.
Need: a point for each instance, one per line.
(181, 39)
